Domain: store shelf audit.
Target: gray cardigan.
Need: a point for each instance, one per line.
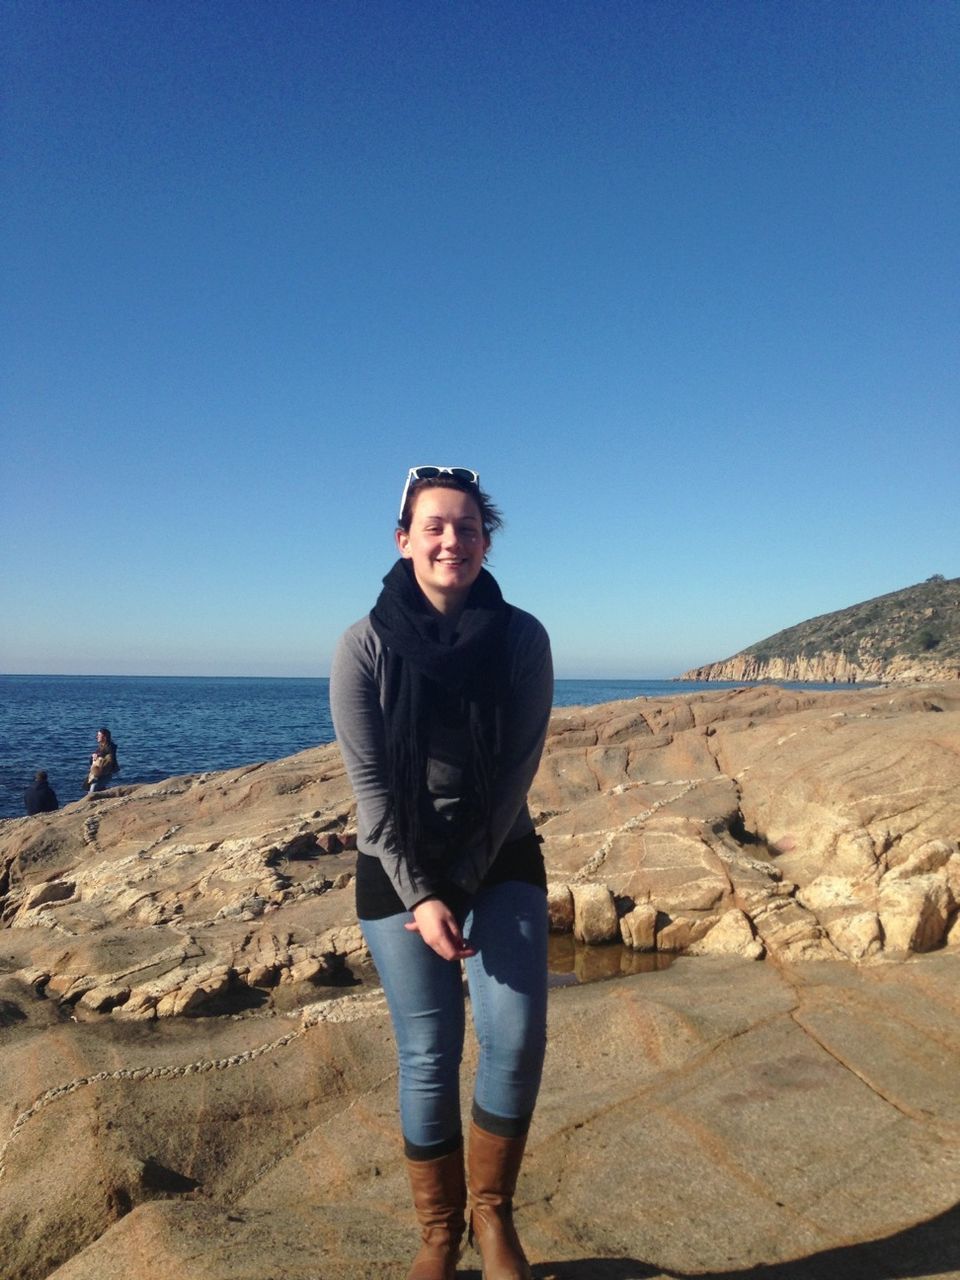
(356, 701)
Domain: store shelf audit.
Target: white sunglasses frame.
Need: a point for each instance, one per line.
(467, 474)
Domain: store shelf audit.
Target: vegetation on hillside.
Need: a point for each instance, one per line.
(918, 621)
(917, 625)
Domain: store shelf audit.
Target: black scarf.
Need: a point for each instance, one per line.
(425, 659)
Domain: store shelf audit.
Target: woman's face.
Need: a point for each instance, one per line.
(101, 737)
(446, 544)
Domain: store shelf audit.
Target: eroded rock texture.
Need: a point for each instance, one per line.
(755, 822)
(193, 895)
(186, 1096)
(704, 1120)
(798, 825)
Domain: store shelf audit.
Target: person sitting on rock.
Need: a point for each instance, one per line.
(40, 797)
(103, 762)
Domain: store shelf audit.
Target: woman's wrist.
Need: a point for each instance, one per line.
(427, 897)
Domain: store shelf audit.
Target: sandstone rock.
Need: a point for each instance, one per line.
(681, 932)
(560, 907)
(53, 891)
(858, 936)
(196, 993)
(145, 1152)
(914, 912)
(343, 941)
(804, 825)
(595, 914)
(932, 855)
(732, 935)
(104, 998)
(828, 895)
(305, 970)
(791, 934)
(638, 928)
(261, 974)
(804, 811)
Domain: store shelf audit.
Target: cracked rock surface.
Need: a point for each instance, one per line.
(715, 1118)
(189, 1095)
(200, 894)
(754, 822)
(812, 825)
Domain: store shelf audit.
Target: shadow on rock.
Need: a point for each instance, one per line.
(929, 1249)
(10, 1013)
(586, 1269)
(597, 1269)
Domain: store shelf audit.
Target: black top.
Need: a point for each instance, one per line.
(517, 860)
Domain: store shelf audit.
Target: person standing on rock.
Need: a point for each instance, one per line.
(441, 698)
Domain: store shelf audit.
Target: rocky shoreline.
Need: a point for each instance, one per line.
(179, 1088)
(828, 668)
(754, 822)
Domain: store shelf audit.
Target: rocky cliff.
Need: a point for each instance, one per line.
(194, 1090)
(913, 634)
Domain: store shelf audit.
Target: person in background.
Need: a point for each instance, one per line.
(40, 797)
(103, 762)
(441, 698)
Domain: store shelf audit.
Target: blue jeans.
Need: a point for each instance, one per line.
(508, 993)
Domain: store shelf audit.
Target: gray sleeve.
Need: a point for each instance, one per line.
(358, 723)
(525, 730)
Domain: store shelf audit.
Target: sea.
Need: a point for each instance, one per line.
(165, 726)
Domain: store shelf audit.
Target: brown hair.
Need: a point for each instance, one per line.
(491, 518)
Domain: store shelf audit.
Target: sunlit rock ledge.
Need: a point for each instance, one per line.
(797, 825)
(755, 822)
(719, 1118)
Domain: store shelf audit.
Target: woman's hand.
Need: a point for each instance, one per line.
(438, 927)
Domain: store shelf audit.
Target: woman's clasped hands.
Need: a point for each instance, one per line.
(440, 929)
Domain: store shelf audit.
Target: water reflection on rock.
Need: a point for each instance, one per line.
(570, 962)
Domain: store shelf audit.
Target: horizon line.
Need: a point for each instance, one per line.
(185, 675)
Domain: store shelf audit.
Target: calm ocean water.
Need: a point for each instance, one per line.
(169, 725)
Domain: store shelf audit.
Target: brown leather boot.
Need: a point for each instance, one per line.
(439, 1197)
(493, 1165)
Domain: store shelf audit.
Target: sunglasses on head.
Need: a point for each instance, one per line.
(430, 473)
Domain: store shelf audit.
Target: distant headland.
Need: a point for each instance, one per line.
(912, 634)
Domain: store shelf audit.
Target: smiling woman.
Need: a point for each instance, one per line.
(441, 698)
(445, 542)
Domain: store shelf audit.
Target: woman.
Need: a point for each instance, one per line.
(441, 699)
(103, 762)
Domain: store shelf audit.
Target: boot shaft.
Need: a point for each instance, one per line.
(439, 1198)
(492, 1171)
(493, 1165)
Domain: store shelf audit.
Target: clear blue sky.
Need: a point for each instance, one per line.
(679, 279)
